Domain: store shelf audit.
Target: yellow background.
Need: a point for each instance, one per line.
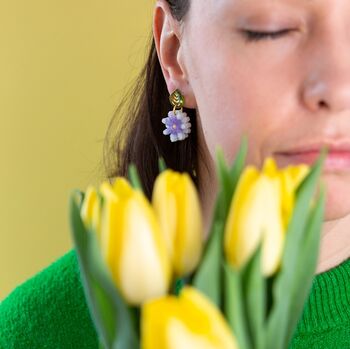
(63, 68)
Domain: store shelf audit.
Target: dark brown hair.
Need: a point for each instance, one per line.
(135, 133)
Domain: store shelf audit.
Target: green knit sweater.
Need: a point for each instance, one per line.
(49, 311)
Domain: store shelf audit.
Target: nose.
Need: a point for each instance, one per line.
(327, 84)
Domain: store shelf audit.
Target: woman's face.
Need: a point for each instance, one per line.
(288, 91)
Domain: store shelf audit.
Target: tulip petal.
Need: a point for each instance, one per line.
(111, 227)
(142, 269)
(246, 214)
(176, 203)
(96, 217)
(87, 207)
(164, 203)
(106, 190)
(189, 321)
(189, 237)
(122, 188)
(270, 167)
(273, 236)
(290, 178)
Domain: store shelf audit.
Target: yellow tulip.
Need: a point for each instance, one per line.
(291, 177)
(176, 203)
(90, 209)
(260, 211)
(189, 321)
(132, 244)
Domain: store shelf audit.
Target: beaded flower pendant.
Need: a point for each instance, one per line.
(177, 123)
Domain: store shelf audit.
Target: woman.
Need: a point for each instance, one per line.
(276, 71)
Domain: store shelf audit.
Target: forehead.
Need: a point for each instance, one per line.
(224, 12)
(221, 6)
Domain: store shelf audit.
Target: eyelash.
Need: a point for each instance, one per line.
(251, 36)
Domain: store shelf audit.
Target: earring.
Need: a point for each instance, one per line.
(177, 123)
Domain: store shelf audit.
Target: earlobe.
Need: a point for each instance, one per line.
(166, 33)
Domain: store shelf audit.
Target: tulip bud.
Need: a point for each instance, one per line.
(90, 209)
(132, 244)
(260, 210)
(176, 203)
(291, 177)
(187, 321)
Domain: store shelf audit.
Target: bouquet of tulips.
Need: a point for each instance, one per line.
(153, 282)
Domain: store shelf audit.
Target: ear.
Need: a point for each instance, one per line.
(167, 37)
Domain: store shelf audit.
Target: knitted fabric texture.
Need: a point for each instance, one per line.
(325, 323)
(49, 310)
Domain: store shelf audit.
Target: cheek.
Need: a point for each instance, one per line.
(337, 196)
(233, 100)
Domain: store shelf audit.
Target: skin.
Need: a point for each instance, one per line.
(279, 92)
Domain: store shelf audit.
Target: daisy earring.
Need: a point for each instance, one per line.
(178, 125)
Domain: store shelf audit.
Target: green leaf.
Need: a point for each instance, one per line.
(234, 307)
(224, 180)
(208, 278)
(101, 345)
(238, 165)
(255, 296)
(111, 316)
(161, 164)
(178, 286)
(104, 322)
(134, 177)
(228, 178)
(287, 278)
(307, 263)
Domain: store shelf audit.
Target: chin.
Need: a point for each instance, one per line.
(337, 196)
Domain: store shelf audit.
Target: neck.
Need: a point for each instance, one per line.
(335, 244)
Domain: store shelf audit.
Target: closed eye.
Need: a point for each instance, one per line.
(251, 35)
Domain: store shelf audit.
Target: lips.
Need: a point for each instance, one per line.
(337, 159)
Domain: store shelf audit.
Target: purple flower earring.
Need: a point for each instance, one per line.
(177, 123)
